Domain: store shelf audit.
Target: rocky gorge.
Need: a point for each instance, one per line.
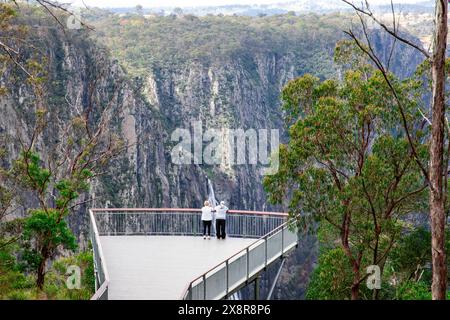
(153, 88)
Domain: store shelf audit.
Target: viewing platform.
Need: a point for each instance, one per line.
(174, 261)
(159, 254)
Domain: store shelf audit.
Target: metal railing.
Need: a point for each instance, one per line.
(186, 222)
(101, 272)
(228, 276)
(183, 222)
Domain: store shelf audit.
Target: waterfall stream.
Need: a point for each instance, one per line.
(211, 196)
(213, 203)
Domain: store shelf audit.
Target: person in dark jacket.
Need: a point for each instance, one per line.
(221, 216)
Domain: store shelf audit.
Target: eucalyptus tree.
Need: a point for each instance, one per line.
(53, 181)
(436, 171)
(348, 164)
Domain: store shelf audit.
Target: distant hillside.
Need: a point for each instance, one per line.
(300, 6)
(146, 43)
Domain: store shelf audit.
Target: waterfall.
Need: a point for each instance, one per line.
(213, 203)
(211, 196)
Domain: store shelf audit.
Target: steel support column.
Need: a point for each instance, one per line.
(257, 285)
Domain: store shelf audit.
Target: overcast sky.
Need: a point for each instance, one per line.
(191, 3)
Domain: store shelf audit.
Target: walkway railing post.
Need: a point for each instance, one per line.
(228, 279)
(204, 287)
(265, 251)
(190, 291)
(257, 288)
(248, 263)
(282, 241)
(96, 278)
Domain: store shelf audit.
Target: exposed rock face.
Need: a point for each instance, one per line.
(223, 96)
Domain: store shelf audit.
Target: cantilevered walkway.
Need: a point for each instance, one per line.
(160, 254)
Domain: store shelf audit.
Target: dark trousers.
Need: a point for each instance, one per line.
(206, 224)
(220, 228)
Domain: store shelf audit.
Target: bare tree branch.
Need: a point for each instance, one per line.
(381, 68)
(367, 12)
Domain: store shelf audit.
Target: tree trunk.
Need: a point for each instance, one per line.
(345, 231)
(41, 269)
(355, 291)
(41, 275)
(356, 265)
(437, 213)
(355, 285)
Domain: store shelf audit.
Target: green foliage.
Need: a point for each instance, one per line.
(49, 184)
(6, 197)
(410, 259)
(170, 43)
(406, 273)
(69, 188)
(411, 290)
(30, 259)
(20, 295)
(55, 287)
(7, 13)
(412, 253)
(332, 277)
(15, 285)
(45, 229)
(41, 223)
(348, 164)
(86, 261)
(43, 232)
(36, 177)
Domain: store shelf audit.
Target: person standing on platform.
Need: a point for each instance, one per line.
(207, 219)
(221, 216)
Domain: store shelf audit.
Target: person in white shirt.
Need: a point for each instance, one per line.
(207, 219)
(221, 216)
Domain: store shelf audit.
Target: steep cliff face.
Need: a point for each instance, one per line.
(232, 93)
(222, 96)
(74, 65)
(142, 176)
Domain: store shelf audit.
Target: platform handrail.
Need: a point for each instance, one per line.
(100, 264)
(179, 221)
(188, 289)
(181, 210)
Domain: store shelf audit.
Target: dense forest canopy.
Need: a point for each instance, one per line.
(145, 43)
(158, 41)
